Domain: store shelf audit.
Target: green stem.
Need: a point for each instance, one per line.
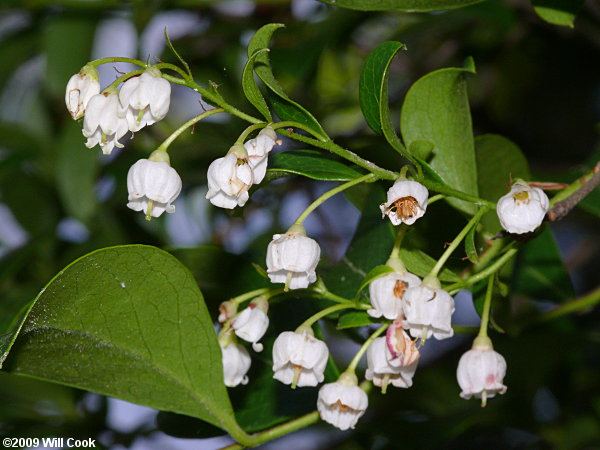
(114, 59)
(395, 254)
(314, 205)
(486, 256)
(248, 130)
(124, 77)
(174, 68)
(255, 293)
(487, 304)
(333, 297)
(365, 346)
(456, 242)
(576, 185)
(435, 198)
(167, 142)
(292, 124)
(325, 312)
(490, 270)
(585, 302)
(451, 192)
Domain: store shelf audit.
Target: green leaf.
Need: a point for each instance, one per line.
(421, 149)
(177, 55)
(558, 12)
(400, 5)
(470, 247)
(311, 164)
(420, 263)
(376, 272)
(436, 109)
(284, 107)
(498, 160)
(128, 322)
(355, 319)
(250, 88)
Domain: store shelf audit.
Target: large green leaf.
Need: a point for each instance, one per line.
(284, 107)
(128, 322)
(312, 164)
(558, 12)
(400, 5)
(436, 109)
(498, 161)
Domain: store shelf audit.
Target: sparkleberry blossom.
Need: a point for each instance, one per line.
(428, 311)
(401, 349)
(381, 370)
(299, 358)
(236, 363)
(258, 150)
(523, 209)
(80, 89)
(481, 371)
(145, 99)
(252, 323)
(406, 202)
(387, 292)
(292, 259)
(102, 123)
(153, 185)
(229, 179)
(342, 403)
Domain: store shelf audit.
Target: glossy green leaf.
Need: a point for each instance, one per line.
(284, 107)
(376, 272)
(312, 164)
(421, 149)
(400, 5)
(558, 12)
(128, 322)
(251, 90)
(420, 263)
(498, 161)
(436, 109)
(355, 319)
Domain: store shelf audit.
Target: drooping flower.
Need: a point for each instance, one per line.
(342, 403)
(299, 358)
(102, 123)
(258, 150)
(236, 363)
(153, 185)
(481, 371)
(402, 351)
(406, 202)
(381, 370)
(229, 179)
(252, 323)
(145, 99)
(523, 209)
(387, 292)
(292, 259)
(80, 89)
(428, 311)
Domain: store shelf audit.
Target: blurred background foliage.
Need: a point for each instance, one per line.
(536, 83)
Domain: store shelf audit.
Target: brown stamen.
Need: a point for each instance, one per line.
(339, 405)
(404, 207)
(400, 288)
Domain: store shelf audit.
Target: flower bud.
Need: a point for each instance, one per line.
(102, 123)
(386, 293)
(145, 99)
(80, 89)
(428, 311)
(236, 363)
(229, 179)
(227, 310)
(258, 150)
(292, 259)
(152, 186)
(252, 323)
(342, 403)
(406, 202)
(299, 359)
(481, 371)
(381, 370)
(523, 209)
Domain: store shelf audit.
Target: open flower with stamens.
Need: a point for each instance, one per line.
(229, 179)
(299, 358)
(481, 371)
(342, 403)
(387, 292)
(383, 372)
(428, 311)
(406, 202)
(523, 209)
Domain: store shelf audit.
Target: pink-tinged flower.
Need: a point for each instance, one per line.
(383, 372)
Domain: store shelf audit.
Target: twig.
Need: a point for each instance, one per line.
(562, 208)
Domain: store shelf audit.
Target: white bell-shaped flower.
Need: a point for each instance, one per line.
(523, 209)
(382, 372)
(481, 371)
(145, 99)
(387, 292)
(80, 89)
(299, 358)
(401, 349)
(342, 403)
(229, 179)
(406, 202)
(102, 123)
(428, 311)
(292, 259)
(258, 150)
(153, 185)
(252, 323)
(236, 363)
